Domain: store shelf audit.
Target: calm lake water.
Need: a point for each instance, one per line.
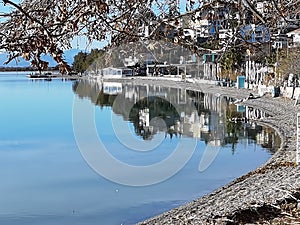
(45, 179)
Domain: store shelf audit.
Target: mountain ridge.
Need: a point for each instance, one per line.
(20, 62)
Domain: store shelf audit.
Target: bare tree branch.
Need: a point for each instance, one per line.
(40, 27)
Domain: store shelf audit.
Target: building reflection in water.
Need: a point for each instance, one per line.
(213, 118)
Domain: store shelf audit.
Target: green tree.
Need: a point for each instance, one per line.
(79, 64)
(231, 62)
(84, 61)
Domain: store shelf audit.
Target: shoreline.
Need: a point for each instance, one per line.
(259, 196)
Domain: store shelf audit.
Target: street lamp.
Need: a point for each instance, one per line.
(249, 67)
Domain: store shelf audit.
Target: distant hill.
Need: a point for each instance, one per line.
(68, 56)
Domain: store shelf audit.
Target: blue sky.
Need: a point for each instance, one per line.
(81, 42)
(7, 8)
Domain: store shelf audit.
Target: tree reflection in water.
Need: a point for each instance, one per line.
(213, 119)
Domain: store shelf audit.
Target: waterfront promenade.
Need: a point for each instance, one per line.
(267, 195)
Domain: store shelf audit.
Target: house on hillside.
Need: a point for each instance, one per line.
(262, 7)
(280, 41)
(252, 33)
(295, 35)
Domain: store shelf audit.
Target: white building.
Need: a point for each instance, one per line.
(295, 34)
(111, 72)
(262, 7)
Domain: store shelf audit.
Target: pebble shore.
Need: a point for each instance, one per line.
(268, 195)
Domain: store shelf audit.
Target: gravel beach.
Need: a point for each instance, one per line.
(268, 195)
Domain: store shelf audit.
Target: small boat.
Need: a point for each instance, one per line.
(36, 75)
(40, 75)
